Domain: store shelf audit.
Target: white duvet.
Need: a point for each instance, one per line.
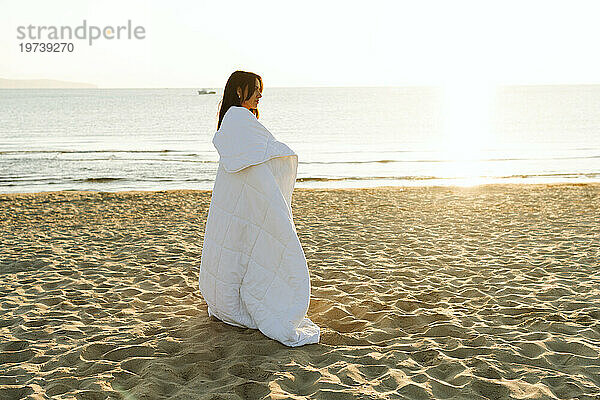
(253, 272)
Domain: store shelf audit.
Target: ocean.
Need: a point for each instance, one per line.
(159, 139)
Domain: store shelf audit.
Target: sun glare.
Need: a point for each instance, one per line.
(466, 130)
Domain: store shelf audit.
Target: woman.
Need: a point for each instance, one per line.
(253, 272)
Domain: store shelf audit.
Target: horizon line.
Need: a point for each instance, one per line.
(307, 87)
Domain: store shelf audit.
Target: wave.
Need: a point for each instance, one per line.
(349, 162)
(444, 160)
(90, 151)
(139, 159)
(562, 175)
(99, 180)
(149, 179)
(424, 178)
(191, 155)
(367, 178)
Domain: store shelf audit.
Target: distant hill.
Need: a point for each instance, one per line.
(42, 84)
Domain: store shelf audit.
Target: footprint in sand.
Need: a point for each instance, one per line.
(446, 371)
(303, 382)
(246, 371)
(426, 357)
(490, 390)
(96, 350)
(251, 390)
(127, 352)
(135, 365)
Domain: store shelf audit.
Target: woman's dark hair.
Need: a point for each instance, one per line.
(238, 79)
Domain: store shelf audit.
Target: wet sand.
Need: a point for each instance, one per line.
(489, 292)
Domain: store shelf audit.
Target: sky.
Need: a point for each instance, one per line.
(191, 43)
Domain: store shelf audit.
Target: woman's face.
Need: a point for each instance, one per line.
(252, 102)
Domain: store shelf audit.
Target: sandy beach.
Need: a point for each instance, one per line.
(487, 292)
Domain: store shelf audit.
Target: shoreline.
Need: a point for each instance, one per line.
(390, 187)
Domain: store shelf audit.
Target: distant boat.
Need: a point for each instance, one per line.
(206, 91)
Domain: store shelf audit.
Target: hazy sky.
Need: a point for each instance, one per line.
(314, 43)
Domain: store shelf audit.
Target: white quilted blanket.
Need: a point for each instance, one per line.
(253, 272)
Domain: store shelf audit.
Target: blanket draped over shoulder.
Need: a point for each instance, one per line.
(253, 271)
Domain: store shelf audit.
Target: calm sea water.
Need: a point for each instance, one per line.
(148, 139)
